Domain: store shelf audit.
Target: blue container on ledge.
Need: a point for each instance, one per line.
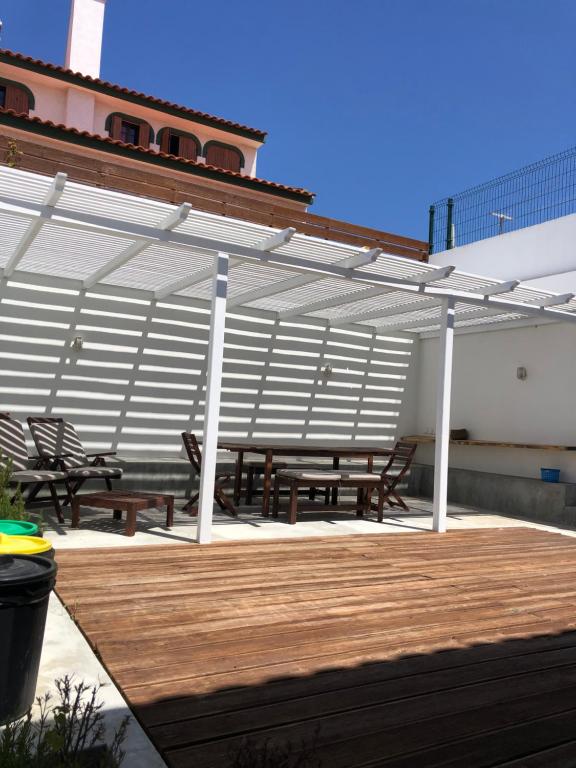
(550, 475)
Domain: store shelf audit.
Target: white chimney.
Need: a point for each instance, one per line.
(85, 36)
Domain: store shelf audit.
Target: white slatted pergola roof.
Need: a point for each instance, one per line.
(86, 235)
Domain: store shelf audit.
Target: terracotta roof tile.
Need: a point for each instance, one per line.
(86, 80)
(212, 169)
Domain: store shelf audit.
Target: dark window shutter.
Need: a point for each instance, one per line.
(223, 157)
(116, 127)
(17, 99)
(144, 135)
(165, 141)
(188, 148)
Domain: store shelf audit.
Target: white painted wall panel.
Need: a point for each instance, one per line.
(489, 401)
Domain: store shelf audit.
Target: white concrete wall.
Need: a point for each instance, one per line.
(526, 254)
(489, 401)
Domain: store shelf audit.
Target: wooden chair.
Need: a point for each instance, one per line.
(384, 483)
(254, 469)
(222, 480)
(31, 473)
(58, 443)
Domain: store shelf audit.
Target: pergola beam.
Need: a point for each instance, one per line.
(175, 218)
(376, 314)
(495, 290)
(433, 275)
(555, 301)
(360, 259)
(333, 301)
(268, 244)
(435, 321)
(119, 228)
(49, 202)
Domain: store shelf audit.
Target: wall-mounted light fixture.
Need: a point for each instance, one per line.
(521, 373)
(327, 370)
(77, 343)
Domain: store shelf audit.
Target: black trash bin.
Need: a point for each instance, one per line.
(25, 585)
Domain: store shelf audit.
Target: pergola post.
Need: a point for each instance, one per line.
(212, 403)
(443, 397)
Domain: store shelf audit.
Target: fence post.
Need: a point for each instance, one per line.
(431, 229)
(449, 231)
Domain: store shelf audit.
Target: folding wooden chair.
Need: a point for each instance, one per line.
(222, 480)
(58, 443)
(398, 465)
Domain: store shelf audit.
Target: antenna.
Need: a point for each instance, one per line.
(502, 217)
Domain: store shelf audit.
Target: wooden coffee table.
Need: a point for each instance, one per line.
(130, 502)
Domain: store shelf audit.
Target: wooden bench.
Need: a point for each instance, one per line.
(124, 501)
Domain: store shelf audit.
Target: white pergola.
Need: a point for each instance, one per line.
(84, 235)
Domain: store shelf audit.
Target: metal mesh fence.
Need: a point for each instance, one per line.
(539, 192)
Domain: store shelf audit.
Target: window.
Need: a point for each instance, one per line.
(223, 156)
(173, 144)
(178, 143)
(129, 130)
(15, 96)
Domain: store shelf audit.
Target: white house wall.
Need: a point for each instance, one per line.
(493, 404)
(137, 382)
(526, 254)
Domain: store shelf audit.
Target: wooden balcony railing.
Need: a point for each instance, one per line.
(138, 177)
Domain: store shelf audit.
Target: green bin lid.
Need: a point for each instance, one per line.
(18, 528)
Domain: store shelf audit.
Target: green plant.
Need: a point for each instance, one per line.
(13, 154)
(12, 506)
(67, 734)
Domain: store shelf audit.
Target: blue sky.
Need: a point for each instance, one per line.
(378, 106)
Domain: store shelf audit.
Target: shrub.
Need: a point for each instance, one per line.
(12, 506)
(68, 734)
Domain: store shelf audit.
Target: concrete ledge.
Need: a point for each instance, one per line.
(524, 497)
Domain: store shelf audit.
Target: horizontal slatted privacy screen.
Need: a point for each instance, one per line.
(139, 379)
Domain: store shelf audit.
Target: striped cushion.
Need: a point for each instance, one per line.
(94, 472)
(54, 438)
(13, 444)
(36, 476)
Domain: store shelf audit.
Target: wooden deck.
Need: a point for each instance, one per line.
(405, 650)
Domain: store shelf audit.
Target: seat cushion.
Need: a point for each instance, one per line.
(94, 472)
(36, 476)
(350, 474)
(317, 476)
(54, 436)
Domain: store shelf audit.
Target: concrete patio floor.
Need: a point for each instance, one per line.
(98, 529)
(67, 652)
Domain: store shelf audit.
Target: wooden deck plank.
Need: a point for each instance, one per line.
(388, 650)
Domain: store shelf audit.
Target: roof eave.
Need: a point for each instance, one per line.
(73, 136)
(118, 92)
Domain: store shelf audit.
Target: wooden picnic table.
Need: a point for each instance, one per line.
(269, 450)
